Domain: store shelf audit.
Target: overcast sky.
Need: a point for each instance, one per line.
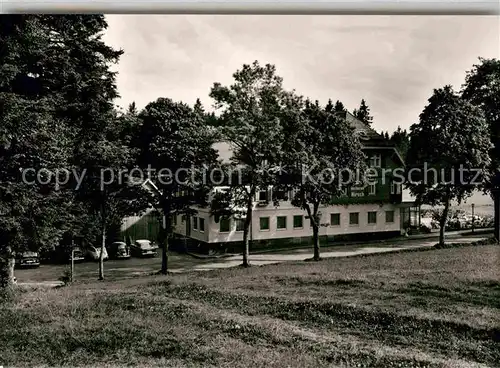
(393, 62)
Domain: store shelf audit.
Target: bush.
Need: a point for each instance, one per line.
(66, 277)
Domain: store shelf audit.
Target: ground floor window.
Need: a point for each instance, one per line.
(195, 223)
(281, 222)
(224, 225)
(389, 216)
(354, 218)
(202, 224)
(264, 223)
(372, 217)
(335, 219)
(298, 222)
(240, 225)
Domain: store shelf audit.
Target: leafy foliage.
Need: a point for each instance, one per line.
(252, 109)
(401, 139)
(174, 140)
(320, 147)
(451, 140)
(482, 88)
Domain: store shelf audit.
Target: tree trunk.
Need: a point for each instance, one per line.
(7, 263)
(164, 245)
(316, 242)
(442, 223)
(315, 222)
(496, 200)
(164, 257)
(246, 232)
(103, 248)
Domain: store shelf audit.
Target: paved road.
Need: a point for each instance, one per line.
(113, 269)
(134, 267)
(330, 252)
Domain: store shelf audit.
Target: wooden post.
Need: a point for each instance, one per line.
(164, 246)
(72, 268)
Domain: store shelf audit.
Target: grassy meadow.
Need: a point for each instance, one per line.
(436, 308)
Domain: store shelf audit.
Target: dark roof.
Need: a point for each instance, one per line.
(369, 137)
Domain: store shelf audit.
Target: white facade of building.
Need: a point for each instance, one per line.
(287, 221)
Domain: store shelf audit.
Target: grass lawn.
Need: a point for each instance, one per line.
(438, 308)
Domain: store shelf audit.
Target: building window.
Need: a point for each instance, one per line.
(395, 188)
(281, 222)
(372, 189)
(195, 223)
(202, 224)
(389, 216)
(335, 219)
(354, 218)
(174, 220)
(240, 225)
(280, 195)
(372, 217)
(264, 223)
(298, 222)
(376, 161)
(262, 196)
(292, 193)
(224, 225)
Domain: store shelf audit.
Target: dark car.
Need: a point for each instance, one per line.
(28, 259)
(118, 250)
(143, 248)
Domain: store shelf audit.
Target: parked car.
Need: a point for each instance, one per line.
(94, 253)
(119, 250)
(143, 248)
(28, 259)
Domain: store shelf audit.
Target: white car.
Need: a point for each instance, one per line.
(94, 253)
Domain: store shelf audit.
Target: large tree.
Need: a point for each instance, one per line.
(100, 146)
(320, 152)
(251, 109)
(61, 66)
(482, 88)
(106, 189)
(448, 151)
(363, 113)
(175, 142)
(34, 140)
(401, 139)
(339, 107)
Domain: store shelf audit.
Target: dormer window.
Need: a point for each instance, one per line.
(363, 135)
(376, 161)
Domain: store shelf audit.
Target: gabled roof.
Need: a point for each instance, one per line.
(369, 139)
